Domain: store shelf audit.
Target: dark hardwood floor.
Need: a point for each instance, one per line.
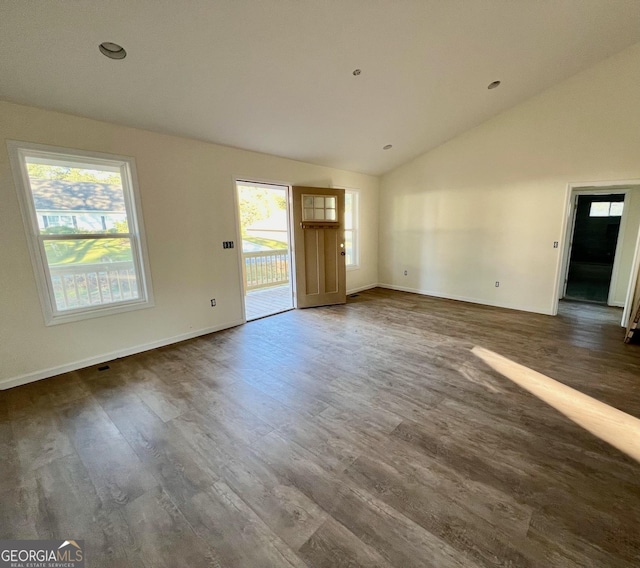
(359, 435)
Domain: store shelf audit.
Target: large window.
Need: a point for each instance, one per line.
(351, 228)
(86, 239)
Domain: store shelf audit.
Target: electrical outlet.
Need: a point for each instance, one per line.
(406, 272)
(555, 244)
(497, 284)
(213, 302)
(227, 244)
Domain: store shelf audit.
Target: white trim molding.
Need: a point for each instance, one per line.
(466, 299)
(110, 356)
(362, 288)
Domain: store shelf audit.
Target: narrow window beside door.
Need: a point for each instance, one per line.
(351, 228)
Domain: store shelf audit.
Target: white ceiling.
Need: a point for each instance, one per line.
(276, 75)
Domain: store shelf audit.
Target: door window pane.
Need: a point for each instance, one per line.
(318, 208)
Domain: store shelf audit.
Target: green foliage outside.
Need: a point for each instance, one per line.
(268, 244)
(43, 171)
(257, 204)
(88, 251)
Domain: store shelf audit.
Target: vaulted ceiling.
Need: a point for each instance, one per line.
(276, 76)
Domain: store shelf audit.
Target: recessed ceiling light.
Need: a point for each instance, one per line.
(112, 50)
(387, 147)
(357, 72)
(493, 85)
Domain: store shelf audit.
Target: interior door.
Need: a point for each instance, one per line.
(320, 257)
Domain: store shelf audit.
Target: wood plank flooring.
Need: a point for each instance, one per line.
(359, 435)
(268, 301)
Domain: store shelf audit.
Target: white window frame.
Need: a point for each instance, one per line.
(18, 152)
(355, 231)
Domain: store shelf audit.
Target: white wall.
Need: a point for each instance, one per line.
(488, 205)
(627, 239)
(187, 190)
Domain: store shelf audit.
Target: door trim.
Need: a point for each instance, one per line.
(595, 188)
(619, 242)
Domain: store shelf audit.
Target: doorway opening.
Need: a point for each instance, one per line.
(593, 247)
(266, 251)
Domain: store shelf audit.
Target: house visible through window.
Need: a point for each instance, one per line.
(351, 227)
(86, 239)
(57, 221)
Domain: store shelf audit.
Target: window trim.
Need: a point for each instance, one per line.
(18, 151)
(355, 230)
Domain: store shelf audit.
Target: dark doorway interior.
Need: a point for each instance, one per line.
(593, 248)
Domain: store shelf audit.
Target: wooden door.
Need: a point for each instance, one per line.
(320, 257)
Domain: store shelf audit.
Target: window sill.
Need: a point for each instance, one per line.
(79, 315)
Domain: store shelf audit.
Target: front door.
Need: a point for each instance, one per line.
(318, 223)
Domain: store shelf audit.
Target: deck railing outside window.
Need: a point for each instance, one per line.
(80, 285)
(265, 269)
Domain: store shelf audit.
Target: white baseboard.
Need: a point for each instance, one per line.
(464, 299)
(74, 366)
(617, 304)
(361, 289)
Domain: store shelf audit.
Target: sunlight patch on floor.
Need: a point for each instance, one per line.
(615, 427)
